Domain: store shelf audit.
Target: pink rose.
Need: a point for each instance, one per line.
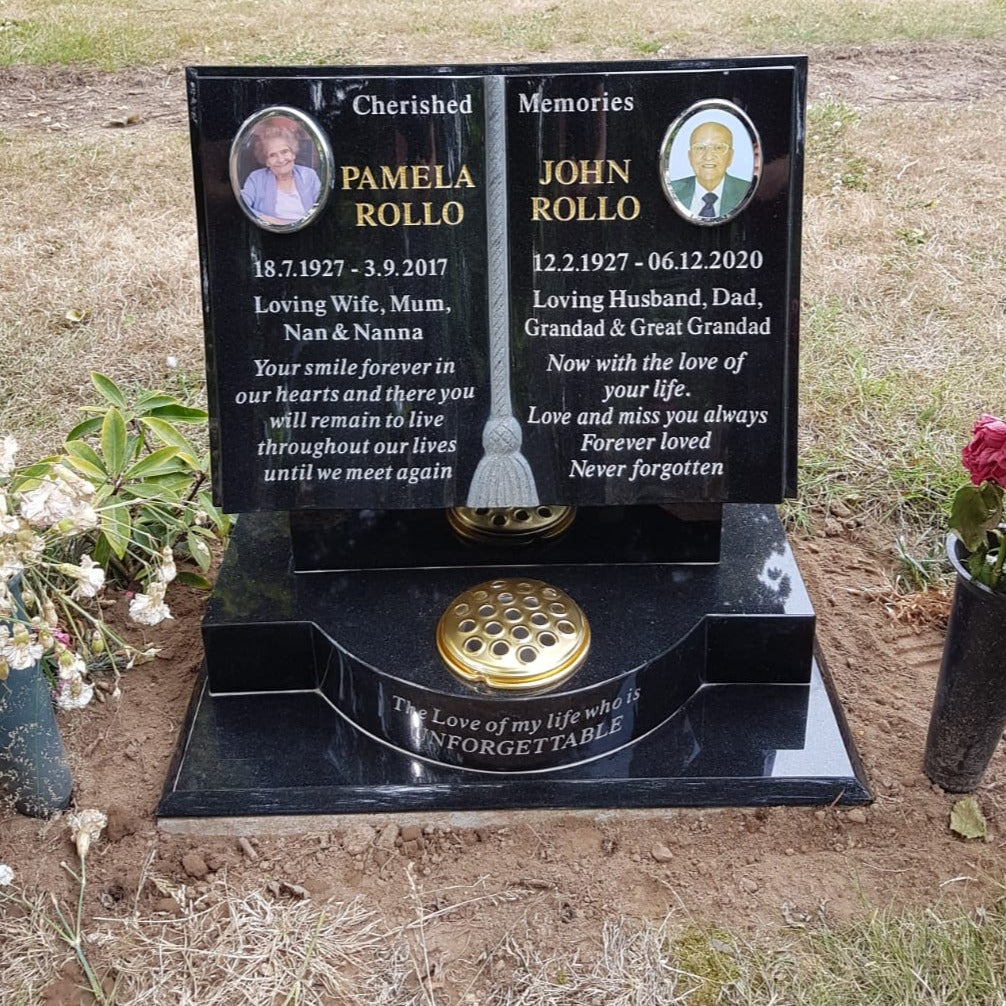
(985, 456)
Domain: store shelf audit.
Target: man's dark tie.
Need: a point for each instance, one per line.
(707, 211)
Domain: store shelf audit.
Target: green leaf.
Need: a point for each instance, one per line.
(172, 483)
(32, 476)
(153, 400)
(179, 414)
(102, 553)
(113, 441)
(116, 525)
(189, 579)
(85, 459)
(108, 390)
(152, 488)
(199, 550)
(166, 433)
(221, 521)
(967, 819)
(156, 463)
(976, 510)
(977, 564)
(85, 428)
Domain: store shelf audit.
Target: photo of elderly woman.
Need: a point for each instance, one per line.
(281, 169)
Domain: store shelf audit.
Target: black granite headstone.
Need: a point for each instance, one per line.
(648, 358)
(504, 286)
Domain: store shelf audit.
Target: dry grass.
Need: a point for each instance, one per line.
(222, 948)
(905, 243)
(124, 256)
(114, 33)
(227, 947)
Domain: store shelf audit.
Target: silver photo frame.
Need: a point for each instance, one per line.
(281, 169)
(711, 149)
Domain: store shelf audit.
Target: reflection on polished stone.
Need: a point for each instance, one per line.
(699, 687)
(330, 540)
(292, 753)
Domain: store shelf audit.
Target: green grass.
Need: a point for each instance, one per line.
(114, 34)
(875, 436)
(935, 957)
(833, 155)
(78, 39)
(904, 959)
(819, 22)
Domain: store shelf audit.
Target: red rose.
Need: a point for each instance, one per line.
(985, 456)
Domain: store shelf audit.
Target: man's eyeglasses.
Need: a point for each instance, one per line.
(710, 148)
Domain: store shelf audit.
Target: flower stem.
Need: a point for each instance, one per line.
(997, 568)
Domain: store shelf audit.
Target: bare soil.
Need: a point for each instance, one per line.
(557, 875)
(560, 874)
(58, 98)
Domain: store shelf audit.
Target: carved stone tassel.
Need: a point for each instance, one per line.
(503, 476)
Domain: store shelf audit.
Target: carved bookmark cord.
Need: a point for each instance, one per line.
(503, 476)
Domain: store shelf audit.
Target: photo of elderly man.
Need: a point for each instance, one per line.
(710, 193)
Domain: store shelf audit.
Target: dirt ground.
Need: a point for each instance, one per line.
(755, 869)
(942, 72)
(556, 874)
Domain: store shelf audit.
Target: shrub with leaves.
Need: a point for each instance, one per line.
(126, 497)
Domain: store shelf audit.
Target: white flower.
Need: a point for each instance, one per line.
(89, 575)
(6, 875)
(73, 692)
(172, 362)
(149, 608)
(60, 501)
(167, 571)
(71, 665)
(86, 827)
(49, 614)
(24, 549)
(8, 448)
(6, 601)
(46, 504)
(19, 650)
(83, 517)
(78, 487)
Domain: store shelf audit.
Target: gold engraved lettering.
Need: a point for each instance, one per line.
(594, 172)
(404, 176)
(409, 214)
(567, 209)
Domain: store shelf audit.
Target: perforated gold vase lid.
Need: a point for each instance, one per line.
(510, 525)
(513, 635)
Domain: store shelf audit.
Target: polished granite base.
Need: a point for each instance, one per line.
(324, 692)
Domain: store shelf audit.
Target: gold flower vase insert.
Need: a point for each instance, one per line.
(513, 635)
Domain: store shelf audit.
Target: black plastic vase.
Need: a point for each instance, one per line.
(34, 772)
(969, 711)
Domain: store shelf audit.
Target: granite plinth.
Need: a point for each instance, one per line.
(324, 692)
(327, 540)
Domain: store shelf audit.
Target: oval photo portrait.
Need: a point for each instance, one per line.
(281, 168)
(710, 162)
